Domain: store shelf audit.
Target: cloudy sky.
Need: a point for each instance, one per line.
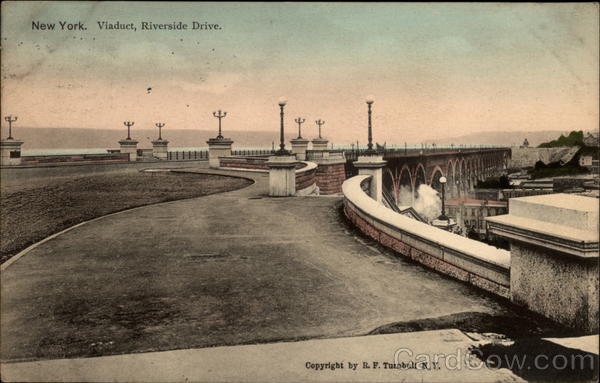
(434, 70)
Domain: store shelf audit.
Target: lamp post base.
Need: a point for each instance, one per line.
(218, 147)
(10, 152)
(129, 146)
(319, 144)
(299, 146)
(282, 175)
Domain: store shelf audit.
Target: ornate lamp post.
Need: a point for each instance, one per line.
(128, 124)
(282, 151)
(160, 147)
(160, 125)
(129, 146)
(319, 123)
(219, 115)
(300, 121)
(370, 150)
(443, 216)
(10, 120)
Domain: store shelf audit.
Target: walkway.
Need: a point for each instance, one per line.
(225, 269)
(350, 360)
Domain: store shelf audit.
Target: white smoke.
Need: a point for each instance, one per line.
(428, 203)
(405, 197)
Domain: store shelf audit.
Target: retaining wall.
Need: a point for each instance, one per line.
(244, 162)
(52, 159)
(306, 178)
(467, 260)
(330, 178)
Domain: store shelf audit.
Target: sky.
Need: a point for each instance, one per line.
(434, 70)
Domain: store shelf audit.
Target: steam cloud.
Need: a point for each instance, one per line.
(428, 203)
(405, 197)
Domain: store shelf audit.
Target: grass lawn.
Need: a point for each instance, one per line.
(32, 214)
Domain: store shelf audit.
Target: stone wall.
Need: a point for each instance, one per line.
(247, 162)
(53, 159)
(554, 256)
(305, 179)
(464, 259)
(330, 178)
(562, 288)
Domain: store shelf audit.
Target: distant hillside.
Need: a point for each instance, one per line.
(573, 139)
(80, 138)
(85, 138)
(502, 138)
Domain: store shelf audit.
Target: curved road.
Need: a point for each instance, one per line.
(224, 269)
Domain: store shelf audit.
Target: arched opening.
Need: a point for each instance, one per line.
(461, 177)
(451, 184)
(406, 197)
(435, 180)
(420, 176)
(388, 183)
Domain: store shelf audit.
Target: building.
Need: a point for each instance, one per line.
(470, 213)
(590, 163)
(590, 140)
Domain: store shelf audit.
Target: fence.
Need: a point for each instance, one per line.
(252, 152)
(190, 155)
(187, 155)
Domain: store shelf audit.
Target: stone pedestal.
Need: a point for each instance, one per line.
(10, 152)
(129, 146)
(218, 147)
(282, 176)
(319, 144)
(554, 256)
(160, 149)
(299, 146)
(372, 165)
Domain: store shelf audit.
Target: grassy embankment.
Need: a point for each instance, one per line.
(31, 214)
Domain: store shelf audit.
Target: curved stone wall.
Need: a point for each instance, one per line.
(465, 259)
(244, 162)
(306, 178)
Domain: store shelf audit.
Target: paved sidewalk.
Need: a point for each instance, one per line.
(355, 359)
(221, 270)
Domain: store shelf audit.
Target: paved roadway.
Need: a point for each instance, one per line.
(225, 269)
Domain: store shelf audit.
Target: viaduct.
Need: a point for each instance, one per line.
(462, 169)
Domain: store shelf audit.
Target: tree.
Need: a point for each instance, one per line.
(575, 138)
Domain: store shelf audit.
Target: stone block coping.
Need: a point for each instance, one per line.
(563, 222)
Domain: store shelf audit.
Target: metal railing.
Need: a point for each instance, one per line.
(187, 155)
(252, 152)
(389, 200)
